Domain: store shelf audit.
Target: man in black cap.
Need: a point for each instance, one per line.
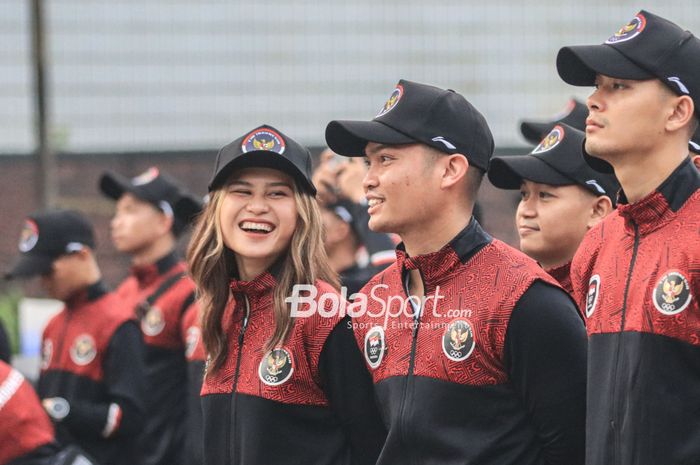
(574, 115)
(636, 273)
(561, 198)
(151, 212)
(92, 352)
(477, 355)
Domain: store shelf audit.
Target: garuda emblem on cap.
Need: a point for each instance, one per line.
(29, 236)
(263, 139)
(147, 176)
(552, 140)
(392, 101)
(630, 30)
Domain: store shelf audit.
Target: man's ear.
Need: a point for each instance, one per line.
(455, 169)
(602, 206)
(165, 223)
(682, 113)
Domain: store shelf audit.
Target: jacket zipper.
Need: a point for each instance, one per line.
(234, 412)
(411, 364)
(616, 404)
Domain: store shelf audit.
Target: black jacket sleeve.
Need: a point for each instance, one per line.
(545, 351)
(350, 391)
(5, 353)
(123, 368)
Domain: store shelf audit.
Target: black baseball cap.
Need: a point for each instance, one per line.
(414, 112)
(46, 236)
(156, 188)
(264, 147)
(648, 47)
(574, 115)
(694, 143)
(557, 161)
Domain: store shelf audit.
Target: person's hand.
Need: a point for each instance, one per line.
(325, 178)
(57, 407)
(350, 176)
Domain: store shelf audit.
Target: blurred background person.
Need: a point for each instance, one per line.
(354, 251)
(91, 381)
(574, 114)
(158, 292)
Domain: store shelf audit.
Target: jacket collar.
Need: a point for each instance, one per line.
(147, 274)
(90, 294)
(436, 267)
(661, 205)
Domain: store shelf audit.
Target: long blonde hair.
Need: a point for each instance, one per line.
(212, 265)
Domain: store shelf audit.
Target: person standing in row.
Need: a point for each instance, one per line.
(636, 273)
(484, 361)
(278, 388)
(158, 293)
(91, 379)
(561, 198)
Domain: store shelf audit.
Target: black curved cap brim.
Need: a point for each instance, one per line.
(262, 159)
(30, 265)
(509, 172)
(114, 186)
(534, 132)
(349, 138)
(578, 65)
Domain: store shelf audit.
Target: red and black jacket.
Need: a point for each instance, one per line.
(26, 433)
(309, 401)
(196, 359)
(92, 356)
(636, 277)
(563, 276)
(164, 432)
(493, 369)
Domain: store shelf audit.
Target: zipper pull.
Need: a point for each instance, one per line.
(245, 320)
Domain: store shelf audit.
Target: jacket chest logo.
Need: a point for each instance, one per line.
(46, 354)
(191, 340)
(153, 322)
(375, 346)
(672, 293)
(276, 367)
(83, 350)
(592, 295)
(458, 340)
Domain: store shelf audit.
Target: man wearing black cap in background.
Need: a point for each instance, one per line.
(354, 251)
(92, 352)
(636, 273)
(574, 115)
(486, 364)
(158, 292)
(561, 198)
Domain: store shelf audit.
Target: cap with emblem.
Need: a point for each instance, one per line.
(414, 112)
(557, 161)
(156, 188)
(647, 47)
(574, 115)
(48, 235)
(264, 147)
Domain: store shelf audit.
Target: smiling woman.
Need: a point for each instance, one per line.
(260, 235)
